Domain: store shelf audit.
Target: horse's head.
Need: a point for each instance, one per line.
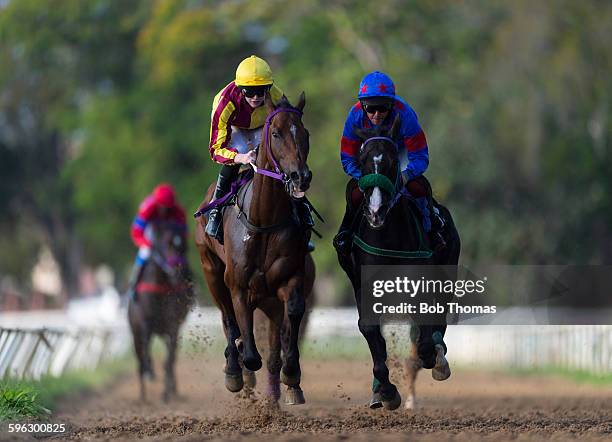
(289, 144)
(380, 171)
(169, 246)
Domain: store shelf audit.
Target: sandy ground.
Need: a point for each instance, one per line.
(468, 406)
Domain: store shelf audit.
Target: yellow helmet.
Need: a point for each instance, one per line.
(253, 71)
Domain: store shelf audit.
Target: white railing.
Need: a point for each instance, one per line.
(33, 353)
(39, 343)
(574, 347)
(35, 344)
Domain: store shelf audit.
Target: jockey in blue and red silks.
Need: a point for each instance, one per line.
(379, 105)
(161, 204)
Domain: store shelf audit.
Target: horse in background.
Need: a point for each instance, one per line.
(164, 296)
(389, 233)
(264, 262)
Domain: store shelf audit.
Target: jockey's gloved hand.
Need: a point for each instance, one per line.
(144, 252)
(245, 158)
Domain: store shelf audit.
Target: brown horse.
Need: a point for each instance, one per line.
(265, 263)
(164, 296)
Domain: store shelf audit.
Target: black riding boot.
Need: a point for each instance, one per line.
(305, 216)
(134, 279)
(214, 226)
(343, 241)
(437, 227)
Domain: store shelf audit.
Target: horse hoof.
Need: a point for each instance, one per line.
(376, 401)
(290, 380)
(250, 380)
(411, 403)
(441, 370)
(393, 403)
(294, 396)
(234, 382)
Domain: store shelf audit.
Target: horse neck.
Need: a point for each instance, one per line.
(270, 203)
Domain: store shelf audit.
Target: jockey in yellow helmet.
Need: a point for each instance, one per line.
(238, 114)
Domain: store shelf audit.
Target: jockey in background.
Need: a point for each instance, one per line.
(238, 114)
(161, 205)
(378, 104)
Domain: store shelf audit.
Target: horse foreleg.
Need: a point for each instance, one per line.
(413, 365)
(387, 392)
(274, 357)
(251, 358)
(170, 379)
(295, 307)
(140, 355)
(233, 373)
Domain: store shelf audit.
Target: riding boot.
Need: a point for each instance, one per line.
(214, 226)
(343, 241)
(437, 227)
(305, 216)
(432, 222)
(135, 276)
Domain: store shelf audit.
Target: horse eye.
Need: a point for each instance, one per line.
(275, 134)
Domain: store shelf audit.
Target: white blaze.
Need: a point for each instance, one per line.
(377, 159)
(375, 200)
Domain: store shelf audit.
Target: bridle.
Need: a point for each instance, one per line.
(277, 174)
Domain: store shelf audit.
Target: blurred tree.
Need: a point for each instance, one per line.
(100, 101)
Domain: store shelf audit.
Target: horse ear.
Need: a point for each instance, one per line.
(395, 127)
(360, 133)
(269, 103)
(301, 102)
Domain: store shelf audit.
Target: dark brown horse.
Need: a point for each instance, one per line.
(164, 296)
(389, 233)
(265, 263)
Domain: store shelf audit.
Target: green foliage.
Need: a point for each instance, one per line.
(19, 402)
(23, 399)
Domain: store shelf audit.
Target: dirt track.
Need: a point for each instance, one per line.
(466, 407)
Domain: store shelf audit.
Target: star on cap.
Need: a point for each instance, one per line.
(364, 89)
(382, 87)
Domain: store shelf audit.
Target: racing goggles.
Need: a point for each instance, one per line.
(255, 91)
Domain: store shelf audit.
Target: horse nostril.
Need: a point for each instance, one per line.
(294, 176)
(307, 177)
